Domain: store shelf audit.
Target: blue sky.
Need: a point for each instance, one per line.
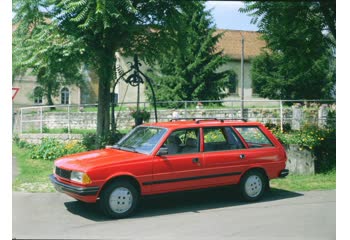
(227, 16)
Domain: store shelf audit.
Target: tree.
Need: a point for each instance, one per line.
(188, 69)
(107, 26)
(38, 47)
(300, 59)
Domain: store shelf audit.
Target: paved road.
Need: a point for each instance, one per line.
(206, 214)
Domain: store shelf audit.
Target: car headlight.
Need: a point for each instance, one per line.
(80, 177)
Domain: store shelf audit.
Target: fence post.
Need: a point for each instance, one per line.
(233, 111)
(68, 119)
(281, 115)
(297, 117)
(185, 109)
(41, 120)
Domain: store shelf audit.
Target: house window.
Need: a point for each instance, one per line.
(38, 95)
(232, 84)
(64, 96)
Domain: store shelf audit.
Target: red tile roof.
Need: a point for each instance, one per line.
(231, 43)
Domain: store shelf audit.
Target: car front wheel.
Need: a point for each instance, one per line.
(252, 186)
(119, 199)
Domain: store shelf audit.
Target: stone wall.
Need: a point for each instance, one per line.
(37, 138)
(300, 161)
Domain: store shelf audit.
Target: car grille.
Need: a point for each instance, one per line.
(63, 173)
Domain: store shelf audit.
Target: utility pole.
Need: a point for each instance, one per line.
(242, 76)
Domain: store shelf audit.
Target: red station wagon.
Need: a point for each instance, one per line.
(173, 156)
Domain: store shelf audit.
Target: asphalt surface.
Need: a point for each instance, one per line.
(205, 214)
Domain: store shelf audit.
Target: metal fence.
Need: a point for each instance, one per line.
(72, 118)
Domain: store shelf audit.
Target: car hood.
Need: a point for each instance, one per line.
(97, 158)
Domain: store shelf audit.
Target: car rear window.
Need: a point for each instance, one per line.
(254, 137)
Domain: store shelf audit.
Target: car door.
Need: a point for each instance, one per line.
(223, 156)
(261, 150)
(180, 169)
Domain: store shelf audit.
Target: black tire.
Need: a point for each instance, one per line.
(252, 186)
(124, 196)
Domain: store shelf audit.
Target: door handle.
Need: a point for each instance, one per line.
(195, 160)
(242, 156)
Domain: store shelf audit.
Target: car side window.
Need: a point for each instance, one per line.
(183, 141)
(221, 139)
(254, 137)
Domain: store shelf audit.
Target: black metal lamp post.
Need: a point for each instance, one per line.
(134, 80)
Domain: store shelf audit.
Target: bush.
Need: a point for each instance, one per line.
(21, 143)
(51, 149)
(321, 141)
(46, 130)
(92, 142)
(276, 127)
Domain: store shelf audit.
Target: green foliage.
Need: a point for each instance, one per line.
(187, 70)
(277, 127)
(40, 49)
(91, 141)
(142, 114)
(321, 141)
(51, 149)
(300, 60)
(94, 30)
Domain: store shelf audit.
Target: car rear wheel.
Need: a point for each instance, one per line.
(119, 199)
(252, 186)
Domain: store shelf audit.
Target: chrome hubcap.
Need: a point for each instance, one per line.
(253, 186)
(120, 200)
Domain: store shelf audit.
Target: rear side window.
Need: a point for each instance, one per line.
(220, 139)
(254, 137)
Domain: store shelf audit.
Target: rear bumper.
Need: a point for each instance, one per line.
(283, 173)
(80, 191)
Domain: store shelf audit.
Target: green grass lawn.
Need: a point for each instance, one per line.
(34, 176)
(324, 181)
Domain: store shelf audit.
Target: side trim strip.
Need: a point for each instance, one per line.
(191, 178)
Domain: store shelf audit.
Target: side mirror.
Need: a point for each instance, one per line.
(162, 151)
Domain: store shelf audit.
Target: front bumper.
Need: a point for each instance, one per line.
(66, 188)
(283, 173)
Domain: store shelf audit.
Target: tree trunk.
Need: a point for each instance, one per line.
(49, 96)
(105, 73)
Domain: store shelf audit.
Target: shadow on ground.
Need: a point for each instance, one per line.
(179, 202)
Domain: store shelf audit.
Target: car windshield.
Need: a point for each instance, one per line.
(141, 139)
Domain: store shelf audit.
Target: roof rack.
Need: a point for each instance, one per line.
(198, 120)
(193, 119)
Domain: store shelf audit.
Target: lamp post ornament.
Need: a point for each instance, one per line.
(134, 79)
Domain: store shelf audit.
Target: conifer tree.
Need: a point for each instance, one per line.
(188, 69)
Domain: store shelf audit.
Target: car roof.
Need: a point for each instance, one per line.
(186, 123)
